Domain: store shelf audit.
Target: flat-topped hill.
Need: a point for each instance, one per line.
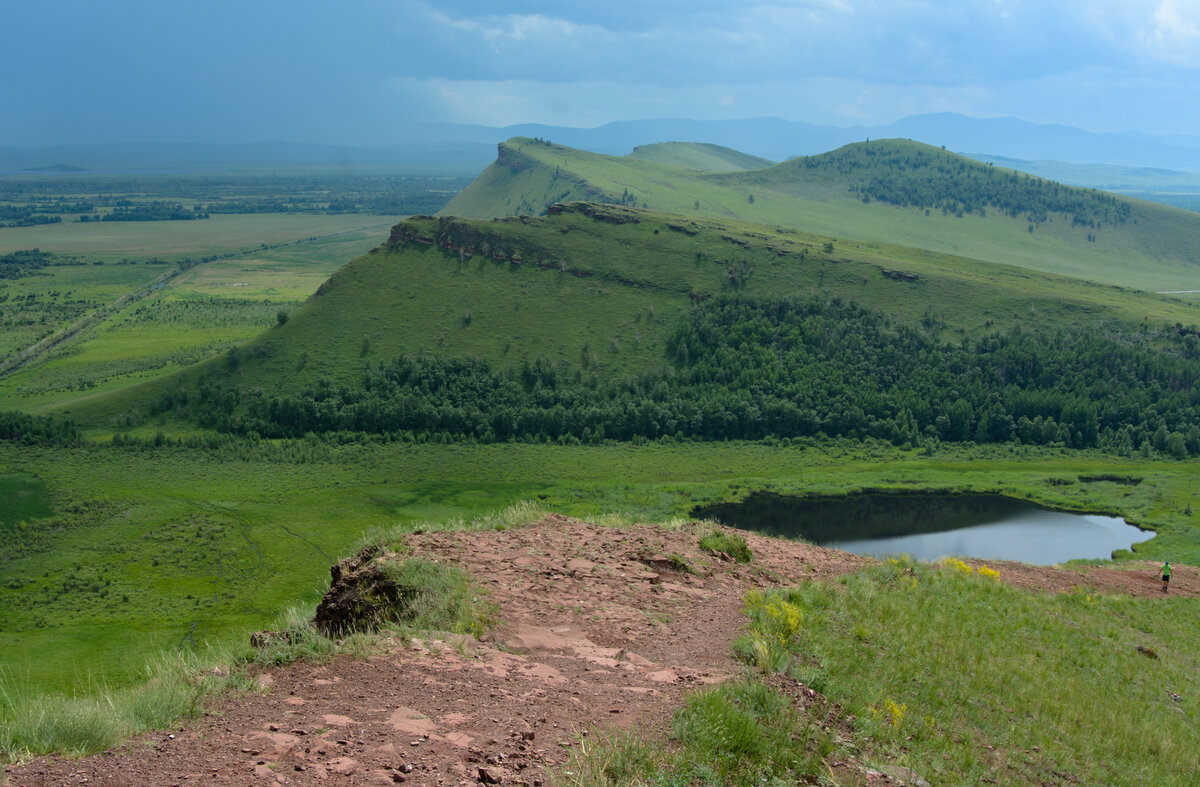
(700, 156)
(894, 191)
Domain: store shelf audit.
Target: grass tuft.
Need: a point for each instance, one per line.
(721, 542)
(439, 598)
(740, 733)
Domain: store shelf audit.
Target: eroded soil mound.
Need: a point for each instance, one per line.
(601, 628)
(362, 595)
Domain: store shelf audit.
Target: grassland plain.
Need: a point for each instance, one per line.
(198, 313)
(577, 288)
(148, 549)
(176, 240)
(1153, 248)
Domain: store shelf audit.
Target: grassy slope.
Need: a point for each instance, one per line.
(610, 310)
(942, 670)
(1155, 250)
(699, 156)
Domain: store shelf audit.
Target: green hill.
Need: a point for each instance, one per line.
(604, 308)
(892, 191)
(699, 156)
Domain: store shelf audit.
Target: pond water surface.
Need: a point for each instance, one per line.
(930, 527)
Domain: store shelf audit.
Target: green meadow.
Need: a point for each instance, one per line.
(935, 672)
(152, 548)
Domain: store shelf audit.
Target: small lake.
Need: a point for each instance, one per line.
(930, 527)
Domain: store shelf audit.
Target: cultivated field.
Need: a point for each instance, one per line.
(143, 318)
(176, 240)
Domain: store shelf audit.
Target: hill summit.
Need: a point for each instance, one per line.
(895, 191)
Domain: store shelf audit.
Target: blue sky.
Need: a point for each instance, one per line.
(355, 72)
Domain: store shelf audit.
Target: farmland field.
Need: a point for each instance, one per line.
(149, 316)
(176, 240)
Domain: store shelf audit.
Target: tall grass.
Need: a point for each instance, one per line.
(946, 671)
(176, 686)
(743, 732)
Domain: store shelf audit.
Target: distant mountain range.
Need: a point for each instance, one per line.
(465, 149)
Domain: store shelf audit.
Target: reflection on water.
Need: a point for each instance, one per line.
(930, 527)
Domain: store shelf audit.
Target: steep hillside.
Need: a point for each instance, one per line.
(890, 191)
(598, 295)
(699, 156)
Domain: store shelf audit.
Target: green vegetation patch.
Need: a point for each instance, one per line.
(722, 543)
(920, 176)
(965, 679)
(743, 732)
(22, 497)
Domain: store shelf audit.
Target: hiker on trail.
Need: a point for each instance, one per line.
(1166, 572)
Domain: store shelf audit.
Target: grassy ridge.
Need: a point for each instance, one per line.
(602, 296)
(699, 156)
(1154, 249)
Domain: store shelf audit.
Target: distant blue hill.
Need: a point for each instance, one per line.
(777, 139)
(466, 149)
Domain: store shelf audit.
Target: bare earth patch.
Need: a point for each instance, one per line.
(601, 629)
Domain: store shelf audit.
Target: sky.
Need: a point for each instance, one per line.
(357, 72)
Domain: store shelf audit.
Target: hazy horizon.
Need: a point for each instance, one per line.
(356, 73)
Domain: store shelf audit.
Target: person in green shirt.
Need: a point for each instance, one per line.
(1166, 574)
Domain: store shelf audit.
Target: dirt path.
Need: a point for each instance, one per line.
(599, 632)
(1135, 578)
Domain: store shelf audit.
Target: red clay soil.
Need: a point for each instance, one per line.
(598, 632)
